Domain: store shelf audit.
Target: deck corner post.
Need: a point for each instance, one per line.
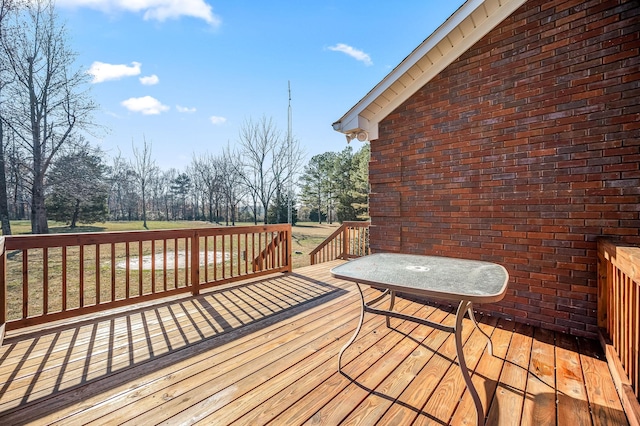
(345, 242)
(290, 248)
(3, 289)
(195, 263)
(603, 287)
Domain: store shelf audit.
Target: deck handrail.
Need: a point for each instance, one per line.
(350, 240)
(619, 319)
(45, 278)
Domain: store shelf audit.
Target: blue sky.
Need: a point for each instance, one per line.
(185, 74)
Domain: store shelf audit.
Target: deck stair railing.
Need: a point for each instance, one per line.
(45, 278)
(350, 240)
(271, 253)
(619, 319)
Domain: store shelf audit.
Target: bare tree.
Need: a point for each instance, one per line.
(6, 7)
(264, 155)
(47, 102)
(207, 169)
(144, 167)
(122, 194)
(232, 187)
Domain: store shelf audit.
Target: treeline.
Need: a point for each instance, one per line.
(86, 186)
(335, 186)
(49, 170)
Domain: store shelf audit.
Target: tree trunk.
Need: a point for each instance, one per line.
(38, 209)
(255, 212)
(144, 209)
(76, 213)
(4, 203)
(166, 209)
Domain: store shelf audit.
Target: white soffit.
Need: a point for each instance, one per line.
(472, 21)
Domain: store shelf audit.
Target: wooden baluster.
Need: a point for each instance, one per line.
(127, 279)
(164, 262)
(140, 266)
(25, 283)
(195, 263)
(186, 261)
(97, 274)
(231, 255)
(45, 281)
(81, 275)
(224, 259)
(206, 259)
(175, 262)
(239, 258)
(113, 270)
(246, 253)
(215, 257)
(153, 266)
(253, 251)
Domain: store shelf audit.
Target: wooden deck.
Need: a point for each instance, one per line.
(266, 352)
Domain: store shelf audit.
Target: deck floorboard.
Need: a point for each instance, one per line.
(265, 352)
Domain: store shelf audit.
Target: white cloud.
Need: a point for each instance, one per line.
(150, 80)
(217, 120)
(185, 109)
(159, 10)
(104, 72)
(353, 52)
(146, 105)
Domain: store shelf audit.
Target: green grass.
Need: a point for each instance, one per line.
(20, 227)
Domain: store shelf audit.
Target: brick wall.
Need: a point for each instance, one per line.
(523, 151)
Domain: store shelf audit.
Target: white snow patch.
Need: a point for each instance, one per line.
(134, 262)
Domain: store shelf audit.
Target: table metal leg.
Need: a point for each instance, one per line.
(464, 306)
(473, 318)
(353, 338)
(391, 304)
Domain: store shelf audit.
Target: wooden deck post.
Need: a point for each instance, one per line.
(603, 292)
(195, 263)
(289, 249)
(3, 290)
(345, 242)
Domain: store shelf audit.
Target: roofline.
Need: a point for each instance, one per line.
(354, 123)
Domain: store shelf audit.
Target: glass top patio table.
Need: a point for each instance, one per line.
(459, 280)
(434, 276)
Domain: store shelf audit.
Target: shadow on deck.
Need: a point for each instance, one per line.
(266, 351)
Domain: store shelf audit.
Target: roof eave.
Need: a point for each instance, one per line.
(472, 21)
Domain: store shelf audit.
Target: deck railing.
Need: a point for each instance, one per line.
(44, 278)
(619, 318)
(350, 240)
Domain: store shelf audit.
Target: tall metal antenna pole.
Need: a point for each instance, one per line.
(290, 178)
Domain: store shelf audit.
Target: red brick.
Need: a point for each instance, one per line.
(524, 157)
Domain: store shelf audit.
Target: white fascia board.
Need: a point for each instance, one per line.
(502, 10)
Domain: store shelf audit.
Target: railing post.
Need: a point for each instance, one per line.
(345, 243)
(603, 292)
(290, 249)
(3, 290)
(195, 263)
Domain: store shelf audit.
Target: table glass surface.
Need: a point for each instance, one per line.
(432, 274)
